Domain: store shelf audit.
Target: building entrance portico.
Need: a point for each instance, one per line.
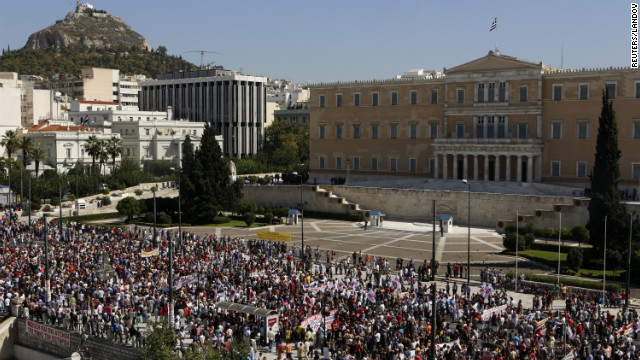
(488, 159)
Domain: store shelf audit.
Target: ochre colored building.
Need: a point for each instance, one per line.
(497, 118)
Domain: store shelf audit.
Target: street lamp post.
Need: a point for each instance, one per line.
(154, 216)
(517, 244)
(468, 231)
(626, 298)
(60, 219)
(433, 290)
(47, 284)
(29, 203)
(171, 310)
(559, 241)
(21, 194)
(301, 205)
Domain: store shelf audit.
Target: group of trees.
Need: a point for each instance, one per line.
(13, 143)
(69, 60)
(205, 180)
(286, 149)
(103, 149)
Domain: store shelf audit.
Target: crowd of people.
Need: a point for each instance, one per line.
(366, 309)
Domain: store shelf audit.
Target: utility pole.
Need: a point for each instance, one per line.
(171, 310)
(626, 298)
(60, 218)
(29, 203)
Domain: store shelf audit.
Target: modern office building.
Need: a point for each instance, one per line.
(496, 118)
(234, 104)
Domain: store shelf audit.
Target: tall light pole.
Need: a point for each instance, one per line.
(517, 244)
(47, 284)
(559, 241)
(604, 270)
(468, 231)
(626, 298)
(60, 219)
(154, 216)
(301, 205)
(179, 203)
(29, 203)
(433, 290)
(171, 311)
(21, 194)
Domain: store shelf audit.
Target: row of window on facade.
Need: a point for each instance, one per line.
(486, 127)
(354, 164)
(148, 132)
(485, 93)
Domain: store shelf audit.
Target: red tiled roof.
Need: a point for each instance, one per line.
(97, 102)
(46, 127)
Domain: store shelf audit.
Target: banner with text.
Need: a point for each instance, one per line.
(273, 236)
(49, 334)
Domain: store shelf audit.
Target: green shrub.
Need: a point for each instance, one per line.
(219, 220)
(105, 192)
(138, 192)
(268, 217)
(91, 217)
(164, 219)
(277, 221)
(122, 187)
(580, 233)
(249, 218)
(530, 228)
(106, 201)
(55, 201)
(566, 234)
(510, 229)
(529, 239)
(550, 247)
(148, 217)
(72, 197)
(509, 241)
(574, 259)
(36, 203)
(546, 232)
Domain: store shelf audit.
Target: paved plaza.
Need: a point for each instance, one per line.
(392, 240)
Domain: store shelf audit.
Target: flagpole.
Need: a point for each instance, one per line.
(496, 36)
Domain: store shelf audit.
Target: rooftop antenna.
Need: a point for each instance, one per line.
(202, 52)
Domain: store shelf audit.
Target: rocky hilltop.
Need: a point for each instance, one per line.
(89, 27)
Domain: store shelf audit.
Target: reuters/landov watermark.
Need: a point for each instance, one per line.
(634, 35)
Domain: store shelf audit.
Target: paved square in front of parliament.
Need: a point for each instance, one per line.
(394, 239)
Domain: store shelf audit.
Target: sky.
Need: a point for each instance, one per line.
(345, 40)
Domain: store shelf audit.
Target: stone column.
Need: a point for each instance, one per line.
(435, 165)
(486, 166)
(538, 175)
(455, 167)
(465, 166)
(497, 172)
(475, 167)
(529, 168)
(508, 167)
(519, 169)
(445, 165)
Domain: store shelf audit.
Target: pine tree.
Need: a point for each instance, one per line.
(605, 178)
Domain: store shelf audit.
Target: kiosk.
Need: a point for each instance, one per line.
(375, 218)
(446, 223)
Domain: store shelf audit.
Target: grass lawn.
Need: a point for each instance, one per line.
(542, 254)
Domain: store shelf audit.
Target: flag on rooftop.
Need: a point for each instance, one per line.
(494, 25)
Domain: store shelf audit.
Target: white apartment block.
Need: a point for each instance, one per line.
(287, 93)
(233, 103)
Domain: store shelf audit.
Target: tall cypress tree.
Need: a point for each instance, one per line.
(605, 178)
(209, 188)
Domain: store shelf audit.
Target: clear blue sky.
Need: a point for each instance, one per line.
(336, 40)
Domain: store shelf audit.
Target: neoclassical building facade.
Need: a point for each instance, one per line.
(496, 118)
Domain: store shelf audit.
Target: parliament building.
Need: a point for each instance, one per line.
(497, 118)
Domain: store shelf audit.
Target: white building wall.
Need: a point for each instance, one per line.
(10, 115)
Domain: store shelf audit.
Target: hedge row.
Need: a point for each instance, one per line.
(91, 217)
(568, 281)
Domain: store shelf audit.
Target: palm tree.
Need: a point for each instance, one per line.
(92, 147)
(10, 142)
(114, 148)
(38, 155)
(25, 144)
(103, 154)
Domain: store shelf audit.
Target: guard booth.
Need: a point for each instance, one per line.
(293, 217)
(446, 223)
(269, 317)
(375, 218)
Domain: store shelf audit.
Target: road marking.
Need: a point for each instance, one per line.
(315, 227)
(486, 243)
(384, 244)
